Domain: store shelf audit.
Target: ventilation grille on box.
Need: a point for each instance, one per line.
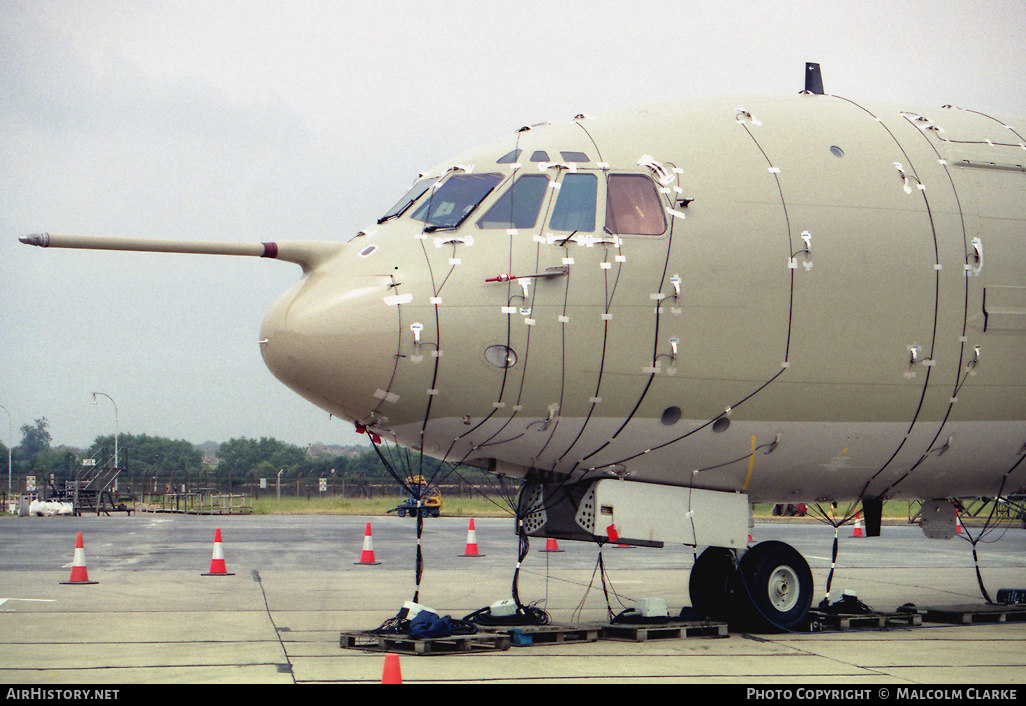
(586, 512)
(533, 507)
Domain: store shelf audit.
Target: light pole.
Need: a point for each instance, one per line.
(115, 424)
(10, 430)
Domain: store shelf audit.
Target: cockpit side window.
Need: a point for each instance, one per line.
(632, 206)
(408, 199)
(455, 199)
(579, 157)
(575, 205)
(519, 206)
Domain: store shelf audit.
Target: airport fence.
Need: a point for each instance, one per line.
(201, 494)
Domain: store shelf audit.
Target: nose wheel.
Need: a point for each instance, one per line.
(782, 590)
(711, 584)
(769, 590)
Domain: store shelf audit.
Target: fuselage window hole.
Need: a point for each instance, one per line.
(500, 356)
(671, 415)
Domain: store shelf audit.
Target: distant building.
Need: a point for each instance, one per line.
(209, 449)
(320, 450)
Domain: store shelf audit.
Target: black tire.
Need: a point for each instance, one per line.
(774, 589)
(711, 583)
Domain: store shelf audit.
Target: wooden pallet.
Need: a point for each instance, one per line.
(528, 635)
(403, 644)
(969, 614)
(866, 621)
(663, 631)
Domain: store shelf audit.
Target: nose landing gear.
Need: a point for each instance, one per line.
(769, 590)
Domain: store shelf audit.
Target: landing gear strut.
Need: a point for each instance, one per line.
(769, 590)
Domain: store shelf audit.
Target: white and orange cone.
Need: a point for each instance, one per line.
(367, 555)
(857, 532)
(217, 565)
(471, 548)
(79, 574)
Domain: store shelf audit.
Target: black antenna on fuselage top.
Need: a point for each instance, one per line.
(813, 79)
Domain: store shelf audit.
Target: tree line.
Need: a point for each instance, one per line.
(145, 456)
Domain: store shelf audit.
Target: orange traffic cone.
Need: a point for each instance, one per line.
(551, 546)
(857, 532)
(367, 555)
(958, 522)
(79, 574)
(217, 565)
(393, 673)
(471, 549)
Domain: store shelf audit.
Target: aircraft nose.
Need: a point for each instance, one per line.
(333, 343)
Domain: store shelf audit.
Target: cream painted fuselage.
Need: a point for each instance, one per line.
(801, 299)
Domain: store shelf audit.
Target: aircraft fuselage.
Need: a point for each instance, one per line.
(800, 299)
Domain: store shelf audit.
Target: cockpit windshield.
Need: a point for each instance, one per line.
(409, 198)
(449, 204)
(633, 206)
(575, 206)
(519, 206)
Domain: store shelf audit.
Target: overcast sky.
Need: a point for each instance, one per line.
(253, 120)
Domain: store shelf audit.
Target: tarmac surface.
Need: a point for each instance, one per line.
(296, 583)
